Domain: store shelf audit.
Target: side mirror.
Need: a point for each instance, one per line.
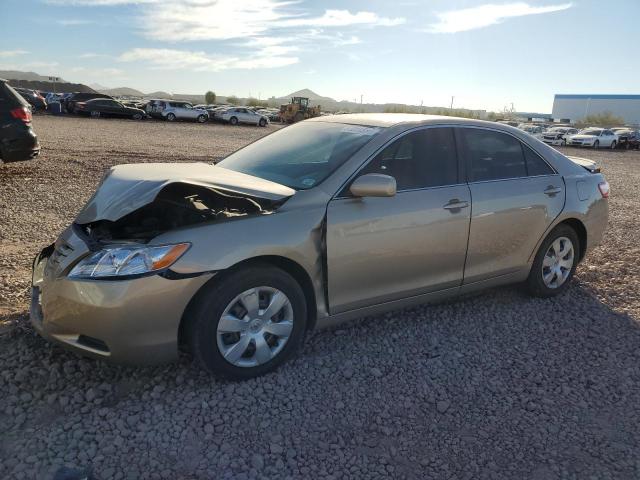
(373, 185)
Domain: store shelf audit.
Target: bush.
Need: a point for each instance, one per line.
(209, 97)
(233, 100)
(605, 119)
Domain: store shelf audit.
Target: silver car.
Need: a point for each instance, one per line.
(171, 110)
(237, 115)
(322, 221)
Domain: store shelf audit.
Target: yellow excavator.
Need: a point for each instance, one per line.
(298, 109)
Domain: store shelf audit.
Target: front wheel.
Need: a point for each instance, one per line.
(95, 114)
(555, 263)
(249, 323)
(137, 116)
(202, 118)
(262, 122)
(613, 145)
(596, 145)
(233, 121)
(171, 117)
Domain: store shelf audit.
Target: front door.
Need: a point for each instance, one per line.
(516, 196)
(384, 249)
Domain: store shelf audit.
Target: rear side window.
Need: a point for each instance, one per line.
(422, 159)
(535, 164)
(9, 98)
(492, 155)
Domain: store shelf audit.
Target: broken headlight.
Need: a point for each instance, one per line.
(124, 261)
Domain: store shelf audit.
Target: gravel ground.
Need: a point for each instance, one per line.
(496, 385)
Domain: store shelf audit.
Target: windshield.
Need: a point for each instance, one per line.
(593, 132)
(302, 155)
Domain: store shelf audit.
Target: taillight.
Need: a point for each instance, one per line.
(22, 113)
(604, 189)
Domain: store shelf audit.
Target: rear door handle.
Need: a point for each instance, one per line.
(551, 190)
(455, 204)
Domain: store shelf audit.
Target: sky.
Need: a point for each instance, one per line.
(487, 54)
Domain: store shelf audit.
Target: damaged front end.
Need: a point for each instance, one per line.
(134, 205)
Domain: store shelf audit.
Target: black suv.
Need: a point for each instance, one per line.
(17, 139)
(70, 103)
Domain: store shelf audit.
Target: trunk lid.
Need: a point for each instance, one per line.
(126, 188)
(585, 163)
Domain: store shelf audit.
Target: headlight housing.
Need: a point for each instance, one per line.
(128, 260)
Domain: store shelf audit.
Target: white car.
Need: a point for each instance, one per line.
(594, 137)
(238, 115)
(557, 136)
(533, 130)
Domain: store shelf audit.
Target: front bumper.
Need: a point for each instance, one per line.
(555, 142)
(127, 321)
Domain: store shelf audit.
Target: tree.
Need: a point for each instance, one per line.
(233, 100)
(604, 119)
(254, 102)
(210, 97)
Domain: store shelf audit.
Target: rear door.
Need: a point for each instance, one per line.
(383, 249)
(515, 194)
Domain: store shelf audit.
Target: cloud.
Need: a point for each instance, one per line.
(343, 18)
(92, 55)
(454, 21)
(99, 3)
(71, 22)
(12, 53)
(272, 56)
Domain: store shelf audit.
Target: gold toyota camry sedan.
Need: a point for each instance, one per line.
(322, 221)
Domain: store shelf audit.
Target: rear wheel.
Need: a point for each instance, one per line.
(95, 114)
(137, 116)
(171, 117)
(202, 118)
(555, 263)
(248, 324)
(233, 120)
(299, 117)
(596, 144)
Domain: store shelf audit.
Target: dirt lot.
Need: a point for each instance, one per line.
(497, 385)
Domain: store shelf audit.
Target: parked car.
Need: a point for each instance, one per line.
(325, 220)
(533, 130)
(237, 115)
(103, 107)
(557, 136)
(18, 141)
(627, 137)
(71, 100)
(216, 113)
(174, 110)
(594, 137)
(33, 97)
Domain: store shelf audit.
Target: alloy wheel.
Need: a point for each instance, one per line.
(557, 262)
(255, 326)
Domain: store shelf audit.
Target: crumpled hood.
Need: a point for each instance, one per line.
(586, 163)
(126, 188)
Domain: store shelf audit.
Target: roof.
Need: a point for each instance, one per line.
(596, 97)
(392, 119)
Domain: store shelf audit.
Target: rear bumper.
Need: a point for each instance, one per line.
(24, 147)
(126, 321)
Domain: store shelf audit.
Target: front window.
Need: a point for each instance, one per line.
(595, 133)
(303, 155)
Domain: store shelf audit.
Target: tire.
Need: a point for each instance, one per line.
(596, 145)
(137, 116)
(221, 298)
(613, 145)
(171, 117)
(298, 117)
(262, 122)
(233, 121)
(94, 114)
(544, 264)
(202, 118)
(564, 142)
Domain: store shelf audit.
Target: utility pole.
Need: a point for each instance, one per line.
(452, 97)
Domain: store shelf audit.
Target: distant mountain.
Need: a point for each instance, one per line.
(29, 76)
(310, 94)
(159, 94)
(122, 91)
(98, 87)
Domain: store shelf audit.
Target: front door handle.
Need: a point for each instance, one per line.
(551, 190)
(455, 204)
